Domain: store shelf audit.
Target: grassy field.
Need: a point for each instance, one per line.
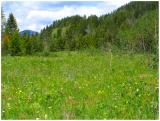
(79, 85)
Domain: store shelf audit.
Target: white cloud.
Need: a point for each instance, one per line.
(118, 3)
(35, 27)
(33, 15)
(64, 12)
(32, 26)
(19, 21)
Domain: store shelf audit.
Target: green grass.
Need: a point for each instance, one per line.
(79, 85)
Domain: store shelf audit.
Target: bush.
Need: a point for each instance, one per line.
(155, 61)
(46, 53)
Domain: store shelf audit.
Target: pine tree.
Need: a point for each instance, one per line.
(15, 45)
(12, 31)
(11, 25)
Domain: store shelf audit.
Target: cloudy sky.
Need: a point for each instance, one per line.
(35, 15)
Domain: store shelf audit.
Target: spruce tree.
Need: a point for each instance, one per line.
(12, 32)
(11, 25)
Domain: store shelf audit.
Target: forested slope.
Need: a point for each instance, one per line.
(132, 27)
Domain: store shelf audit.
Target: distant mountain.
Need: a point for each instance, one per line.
(29, 32)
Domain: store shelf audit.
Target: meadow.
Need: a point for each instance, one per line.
(79, 85)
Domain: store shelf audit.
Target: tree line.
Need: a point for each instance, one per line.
(12, 42)
(132, 27)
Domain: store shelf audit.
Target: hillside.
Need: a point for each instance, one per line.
(110, 30)
(132, 27)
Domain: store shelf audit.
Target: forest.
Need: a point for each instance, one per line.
(132, 27)
(83, 67)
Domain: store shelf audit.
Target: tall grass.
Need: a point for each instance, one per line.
(79, 85)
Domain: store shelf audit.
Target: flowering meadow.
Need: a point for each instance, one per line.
(79, 85)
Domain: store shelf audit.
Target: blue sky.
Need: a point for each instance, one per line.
(35, 15)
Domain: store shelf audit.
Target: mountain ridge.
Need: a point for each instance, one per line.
(29, 32)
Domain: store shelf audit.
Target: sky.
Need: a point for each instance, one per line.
(35, 15)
